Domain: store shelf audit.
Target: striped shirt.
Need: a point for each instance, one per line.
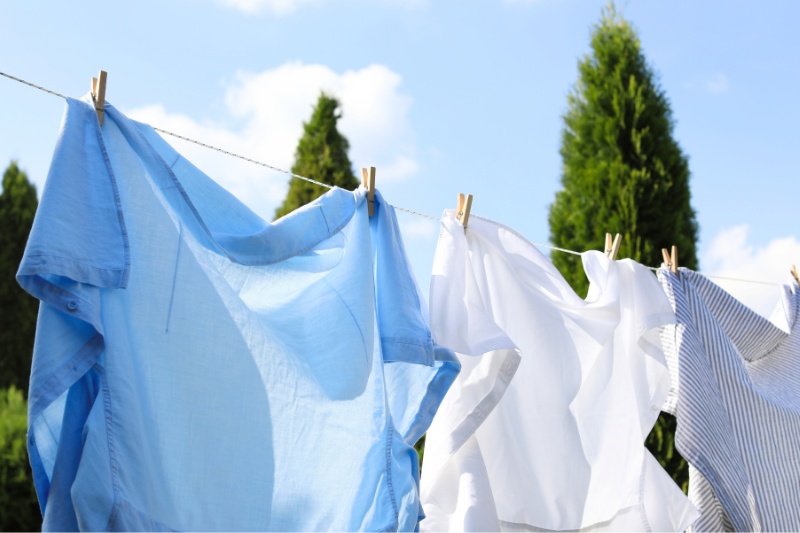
(736, 395)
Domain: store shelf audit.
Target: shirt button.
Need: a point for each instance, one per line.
(72, 305)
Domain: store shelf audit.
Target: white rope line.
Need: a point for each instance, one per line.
(243, 158)
(276, 169)
(573, 252)
(710, 276)
(746, 280)
(418, 214)
(9, 76)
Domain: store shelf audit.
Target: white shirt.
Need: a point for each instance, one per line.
(544, 426)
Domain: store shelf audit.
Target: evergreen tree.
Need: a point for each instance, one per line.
(321, 155)
(623, 172)
(18, 309)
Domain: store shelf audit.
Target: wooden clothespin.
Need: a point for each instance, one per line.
(99, 94)
(671, 259)
(368, 180)
(612, 248)
(795, 274)
(462, 211)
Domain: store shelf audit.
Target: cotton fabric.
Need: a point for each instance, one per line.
(736, 396)
(198, 368)
(544, 427)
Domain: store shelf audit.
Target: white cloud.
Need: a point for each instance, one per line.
(714, 84)
(285, 7)
(414, 227)
(730, 255)
(717, 84)
(259, 188)
(272, 106)
(399, 168)
(278, 7)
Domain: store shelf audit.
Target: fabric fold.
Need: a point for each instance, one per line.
(544, 428)
(735, 377)
(198, 368)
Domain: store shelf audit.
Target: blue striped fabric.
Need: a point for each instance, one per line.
(736, 394)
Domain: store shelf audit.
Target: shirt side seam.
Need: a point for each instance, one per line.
(112, 454)
(117, 204)
(390, 486)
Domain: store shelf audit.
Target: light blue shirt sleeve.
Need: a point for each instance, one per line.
(416, 389)
(81, 233)
(77, 248)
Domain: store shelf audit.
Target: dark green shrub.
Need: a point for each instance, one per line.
(19, 509)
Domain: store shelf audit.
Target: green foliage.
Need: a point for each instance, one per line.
(623, 172)
(420, 447)
(661, 443)
(18, 309)
(321, 155)
(19, 510)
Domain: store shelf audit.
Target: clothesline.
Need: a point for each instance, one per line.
(298, 176)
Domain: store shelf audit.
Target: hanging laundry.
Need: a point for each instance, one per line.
(544, 427)
(736, 395)
(197, 368)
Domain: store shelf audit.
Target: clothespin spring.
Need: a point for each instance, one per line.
(612, 248)
(463, 208)
(671, 259)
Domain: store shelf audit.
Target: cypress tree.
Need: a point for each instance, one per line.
(321, 155)
(18, 309)
(623, 172)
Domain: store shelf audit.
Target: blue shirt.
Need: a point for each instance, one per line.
(198, 368)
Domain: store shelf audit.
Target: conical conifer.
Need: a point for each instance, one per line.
(623, 172)
(18, 309)
(321, 155)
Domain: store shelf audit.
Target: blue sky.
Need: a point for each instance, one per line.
(441, 96)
